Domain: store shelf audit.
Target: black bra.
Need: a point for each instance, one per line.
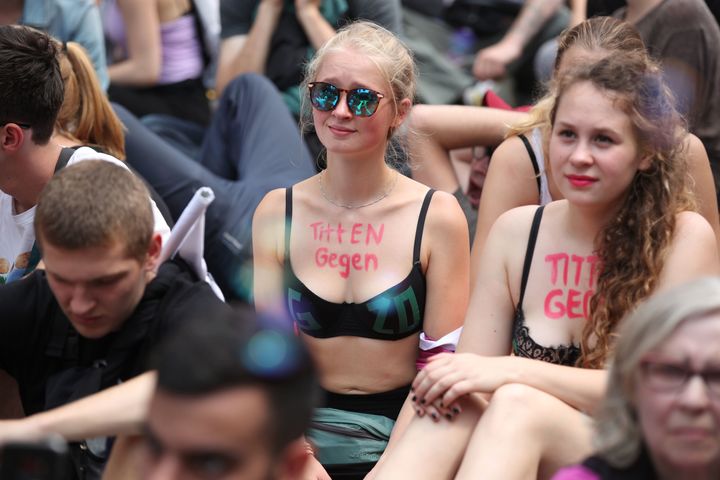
(390, 315)
(522, 344)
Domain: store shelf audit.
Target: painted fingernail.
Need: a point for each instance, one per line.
(448, 416)
(422, 401)
(434, 416)
(414, 398)
(456, 410)
(442, 404)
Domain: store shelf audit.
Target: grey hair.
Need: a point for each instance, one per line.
(619, 438)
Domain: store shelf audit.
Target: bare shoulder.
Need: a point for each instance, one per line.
(692, 142)
(515, 221)
(271, 206)
(511, 180)
(511, 155)
(693, 252)
(445, 215)
(695, 153)
(695, 226)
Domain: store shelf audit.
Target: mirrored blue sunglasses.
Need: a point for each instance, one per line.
(362, 102)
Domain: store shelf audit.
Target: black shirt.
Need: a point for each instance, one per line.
(54, 365)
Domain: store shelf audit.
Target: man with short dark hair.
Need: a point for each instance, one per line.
(31, 94)
(232, 401)
(89, 320)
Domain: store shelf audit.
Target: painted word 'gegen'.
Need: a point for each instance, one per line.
(344, 262)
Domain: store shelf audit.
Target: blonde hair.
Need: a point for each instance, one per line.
(619, 439)
(393, 59)
(633, 245)
(86, 114)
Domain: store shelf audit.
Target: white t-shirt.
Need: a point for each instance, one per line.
(17, 235)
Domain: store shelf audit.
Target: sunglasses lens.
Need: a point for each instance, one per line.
(324, 96)
(362, 102)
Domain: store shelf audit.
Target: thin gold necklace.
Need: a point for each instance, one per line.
(352, 207)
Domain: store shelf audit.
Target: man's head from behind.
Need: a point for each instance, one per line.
(94, 225)
(232, 402)
(31, 85)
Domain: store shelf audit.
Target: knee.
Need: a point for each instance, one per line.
(516, 394)
(520, 404)
(249, 84)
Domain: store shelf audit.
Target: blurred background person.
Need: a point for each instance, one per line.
(661, 415)
(158, 57)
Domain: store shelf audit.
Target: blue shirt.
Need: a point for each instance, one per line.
(71, 21)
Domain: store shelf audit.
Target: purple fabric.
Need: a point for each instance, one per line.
(182, 57)
(181, 50)
(113, 24)
(576, 472)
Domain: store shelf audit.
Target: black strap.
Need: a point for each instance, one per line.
(288, 221)
(530, 251)
(421, 225)
(62, 162)
(534, 161)
(64, 158)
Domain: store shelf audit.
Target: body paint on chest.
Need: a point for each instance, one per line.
(570, 296)
(361, 234)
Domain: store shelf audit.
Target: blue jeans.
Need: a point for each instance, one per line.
(251, 147)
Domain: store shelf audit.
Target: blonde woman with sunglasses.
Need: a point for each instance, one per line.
(363, 260)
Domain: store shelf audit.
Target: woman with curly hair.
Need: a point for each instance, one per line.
(555, 282)
(518, 175)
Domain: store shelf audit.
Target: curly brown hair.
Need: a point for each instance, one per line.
(633, 245)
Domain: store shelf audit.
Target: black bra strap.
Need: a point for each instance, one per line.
(421, 225)
(288, 221)
(534, 161)
(530, 251)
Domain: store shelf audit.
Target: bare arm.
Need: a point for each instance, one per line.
(458, 126)
(248, 53)
(447, 283)
(491, 62)
(317, 29)
(510, 183)
(436, 129)
(578, 10)
(483, 363)
(144, 60)
(693, 252)
(447, 273)
(268, 232)
(114, 411)
(488, 322)
(450, 377)
(703, 184)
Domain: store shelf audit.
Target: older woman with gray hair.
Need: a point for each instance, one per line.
(661, 416)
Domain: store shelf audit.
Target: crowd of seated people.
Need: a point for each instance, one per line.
(577, 341)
